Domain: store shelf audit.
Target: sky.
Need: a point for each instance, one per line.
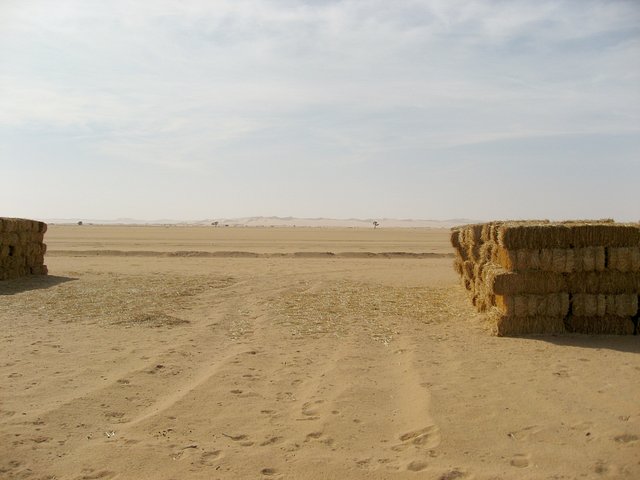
(428, 109)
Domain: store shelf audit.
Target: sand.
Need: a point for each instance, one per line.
(132, 362)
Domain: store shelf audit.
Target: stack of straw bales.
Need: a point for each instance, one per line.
(543, 277)
(21, 248)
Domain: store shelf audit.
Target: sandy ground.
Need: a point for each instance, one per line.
(205, 367)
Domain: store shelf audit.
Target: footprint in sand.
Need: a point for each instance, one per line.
(520, 460)
(208, 458)
(91, 475)
(270, 441)
(417, 466)
(454, 474)
(428, 437)
(626, 438)
(269, 472)
(313, 436)
(236, 438)
(310, 409)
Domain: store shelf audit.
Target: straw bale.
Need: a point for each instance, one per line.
(490, 231)
(455, 238)
(468, 269)
(557, 260)
(589, 259)
(526, 305)
(473, 252)
(500, 281)
(484, 299)
(523, 259)
(474, 233)
(606, 325)
(588, 305)
(457, 265)
(39, 270)
(512, 326)
(11, 238)
(622, 305)
(508, 259)
(478, 269)
(624, 259)
(10, 225)
(486, 252)
(599, 305)
(567, 235)
(607, 282)
(562, 261)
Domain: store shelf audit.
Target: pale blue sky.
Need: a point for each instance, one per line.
(408, 109)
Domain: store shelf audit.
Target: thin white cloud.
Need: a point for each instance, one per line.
(199, 84)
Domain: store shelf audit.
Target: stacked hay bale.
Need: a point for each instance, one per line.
(543, 277)
(21, 248)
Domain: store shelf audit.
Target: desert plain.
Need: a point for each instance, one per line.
(176, 352)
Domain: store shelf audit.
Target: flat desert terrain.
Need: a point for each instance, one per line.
(292, 353)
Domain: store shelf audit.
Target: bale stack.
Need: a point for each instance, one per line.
(542, 277)
(21, 248)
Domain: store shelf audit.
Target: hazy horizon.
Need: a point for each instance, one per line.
(337, 109)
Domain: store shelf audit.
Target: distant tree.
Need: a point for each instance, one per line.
(375, 224)
(215, 224)
(80, 223)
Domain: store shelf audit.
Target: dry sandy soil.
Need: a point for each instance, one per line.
(132, 361)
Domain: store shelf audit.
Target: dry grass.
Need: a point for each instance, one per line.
(375, 309)
(108, 299)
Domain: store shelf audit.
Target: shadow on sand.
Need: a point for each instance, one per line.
(621, 343)
(34, 282)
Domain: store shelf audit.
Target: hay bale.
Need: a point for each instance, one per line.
(39, 270)
(505, 326)
(468, 269)
(455, 238)
(606, 325)
(486, 252)
(10, 225)
(474, 233)
(588, 305)
(556, 260)
(528, 305)
(507, 259)
(21, 247)
(589, 259)
(500, 281)
(567, 235)
(458, 265)
(562, 260)
(473, 252)
(607, 282)
(622, 305)
(484, 299)
(623, 259)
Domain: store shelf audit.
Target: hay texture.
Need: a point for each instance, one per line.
(541, 277)
(21, 248)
